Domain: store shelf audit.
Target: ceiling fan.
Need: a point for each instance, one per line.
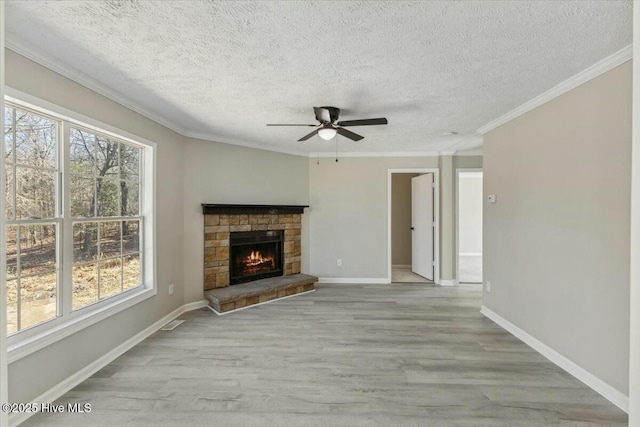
(329, 126)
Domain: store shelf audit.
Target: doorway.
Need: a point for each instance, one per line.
(469, 225)
(413, 231)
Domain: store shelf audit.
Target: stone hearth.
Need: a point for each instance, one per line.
(239, 296)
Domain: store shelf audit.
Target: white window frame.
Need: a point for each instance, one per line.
(30, 340)
(56, 220)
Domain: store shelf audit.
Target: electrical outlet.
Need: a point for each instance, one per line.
(339, 263)
(488, 287)
(171, 289)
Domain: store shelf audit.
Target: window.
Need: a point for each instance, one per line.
(75, 221)
(104, 191)
(33, 219)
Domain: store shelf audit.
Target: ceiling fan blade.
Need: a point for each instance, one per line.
(312, 134)
(363, 122)
(349, 134)
(322, 114)
(279, 124)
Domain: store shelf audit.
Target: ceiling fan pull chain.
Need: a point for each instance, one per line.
(336, 151)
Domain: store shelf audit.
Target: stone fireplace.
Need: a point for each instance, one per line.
(255, 248)
(223, 221)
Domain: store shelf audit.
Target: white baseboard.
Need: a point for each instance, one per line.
(355, 280)
(448, 282)
(195, 305)
(470, 254)
(611, 394)
(83, 374)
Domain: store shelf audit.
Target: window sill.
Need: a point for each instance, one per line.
(30, 345)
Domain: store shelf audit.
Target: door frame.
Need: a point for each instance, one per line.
(436, 217)
(457, 228)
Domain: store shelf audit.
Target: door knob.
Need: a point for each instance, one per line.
(412, 228)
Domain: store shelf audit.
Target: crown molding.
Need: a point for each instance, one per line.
(94, 85)
(468, 142)
(90, 83)
(584, 76)
(474, 152)
(593, 71)
(375, 154)
(212, 138)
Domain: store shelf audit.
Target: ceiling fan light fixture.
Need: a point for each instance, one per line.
(327, 133)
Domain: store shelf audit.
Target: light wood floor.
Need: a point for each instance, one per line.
(345, 355)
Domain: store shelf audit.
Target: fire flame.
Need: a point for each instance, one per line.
(256, 258)
(255, 262)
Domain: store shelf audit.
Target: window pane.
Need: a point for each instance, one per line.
(85, 285)
(35, 140)
(85, 242)
(38, 299)
(107, 158)
(110, 239)
(9, 191)
(12, 306)
(104, 181)
(8, 134)
(107, 194)
(83, 192)
(131, 236)
(37, 248)
(129, 194)
(131, 272)
(82, 149)
(36, 193)
(129, 162)
(110, 278)
(12, 255)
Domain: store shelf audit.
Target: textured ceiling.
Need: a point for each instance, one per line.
(225, 69)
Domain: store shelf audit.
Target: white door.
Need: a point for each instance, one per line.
(422, 225)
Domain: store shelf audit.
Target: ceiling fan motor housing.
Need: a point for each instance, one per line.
(334, 113)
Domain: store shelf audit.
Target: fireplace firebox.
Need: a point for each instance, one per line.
(255, 255)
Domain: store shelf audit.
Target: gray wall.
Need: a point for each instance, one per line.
(401, 218)
(470, 213)
(222, 173)
(556, 243)
(34, 374)
(348, 214)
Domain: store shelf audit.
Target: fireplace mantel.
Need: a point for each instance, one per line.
(211, 209)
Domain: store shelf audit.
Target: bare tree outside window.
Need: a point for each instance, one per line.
(31, 147)
(103, 198)
(105, 182)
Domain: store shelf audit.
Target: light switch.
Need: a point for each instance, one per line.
(492, 198)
